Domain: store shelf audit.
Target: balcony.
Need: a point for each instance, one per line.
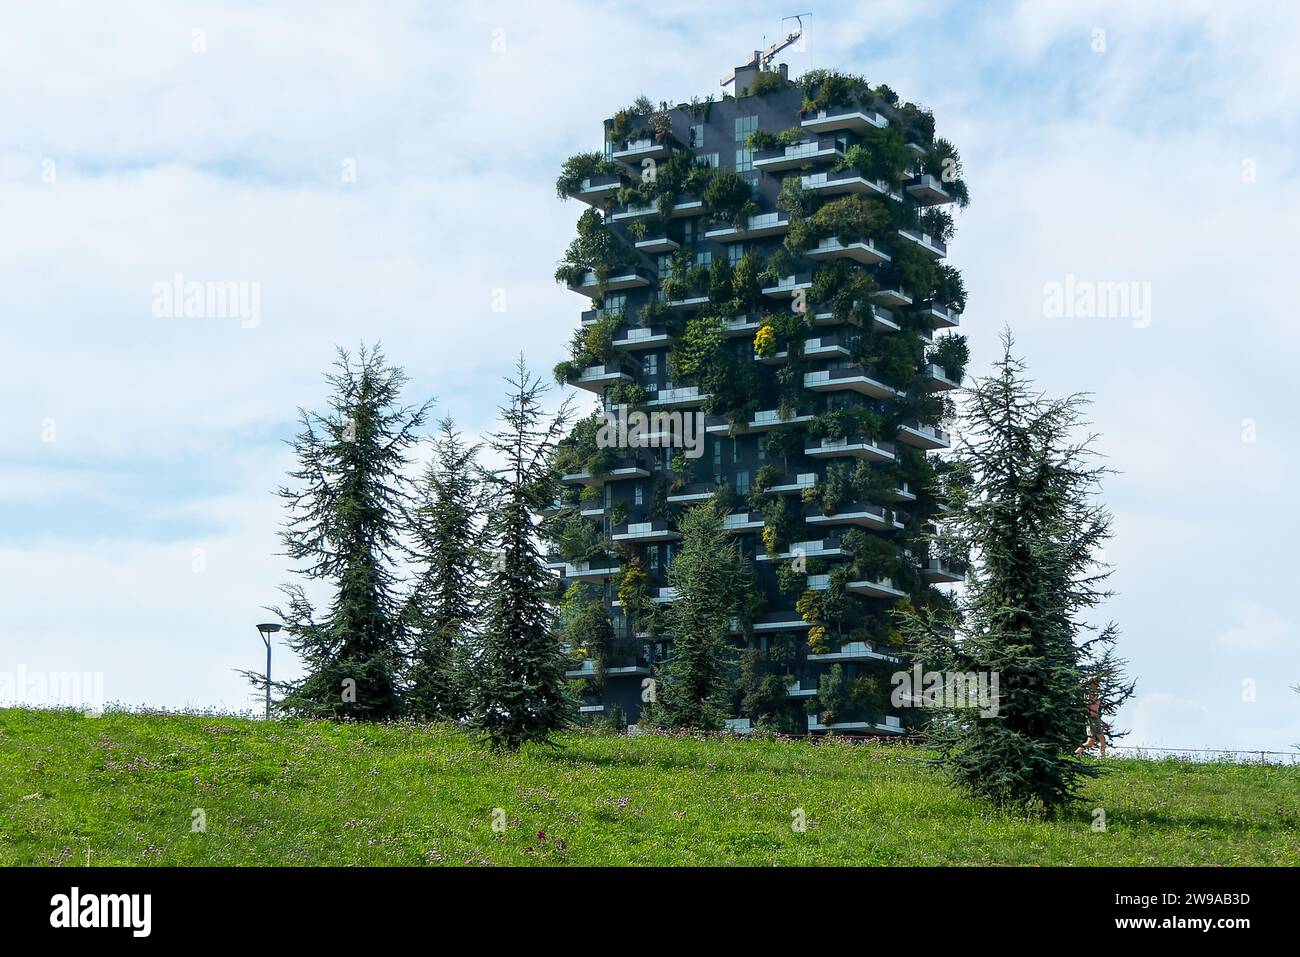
(938, 571)
(893, 297)
(928, 190)
(693, 494)
(934, 248)
(804, 480)
(660, 596)
(692, 302)
(553, 508)
(764, 224)
(815, 548)
(590, 317)
(686, 206)
(595, 570)
(758, 422)
(797, 691)
(588, 668)
(936, 378)
(853, 378)
(774, 621)
(940, 316)
(683, 397)
(929, 437)
(859, 121)
(890, 725)
(884, 588)
(738, 523)
(629, 213)
(860, 514)
(598, 378)
(591, 287)
(787, 287)
(633, 339)
(902, 492)
(740, 326)
(852, 651)
(645, 533)
(624, 468)
(807, 153)
(595, 190)
(652, 245)
(846, 182)
(852, 446)
(862, 251)
(634, 151)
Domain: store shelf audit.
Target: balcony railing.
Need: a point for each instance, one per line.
(630, 278)
(859, 121)
(922, 436)
(853, 651)
(864, 251)
(929, 190)
(786, 287)
(834, 183)
(940, 315)
(807, 153)
(635, 338)
(932, 247)
(814, 548)
(852, 378)
(858, 513)
(656, 530)
(852, 446)
(598, 378)
(756, 227)
(597, 189)
(683, 397)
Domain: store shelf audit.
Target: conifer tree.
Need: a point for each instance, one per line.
(1022, 494)
(444, 603)
(345, 526)
(712, 580)
(518, 689)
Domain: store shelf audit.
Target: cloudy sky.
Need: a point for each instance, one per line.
(388, 176)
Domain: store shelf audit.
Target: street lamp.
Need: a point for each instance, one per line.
(267, 631)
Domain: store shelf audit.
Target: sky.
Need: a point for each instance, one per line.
(385, 174)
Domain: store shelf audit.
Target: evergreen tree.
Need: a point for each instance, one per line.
(1022, 492)
(345, 525)
(444, 603)
(712, 580)
(518, 690)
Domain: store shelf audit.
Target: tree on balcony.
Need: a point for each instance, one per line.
(1023, 494)
(518, 691)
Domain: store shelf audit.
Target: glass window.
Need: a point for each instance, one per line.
(762, 448)
(638, 494)
(744, 126)
(704, 259)
(744, 160)
(710, 159)
(697, 135)
(742, 482)
(616, 303)
(665, 266)
(735, 253)
(650, 365)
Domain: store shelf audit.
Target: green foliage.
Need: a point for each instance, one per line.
(729, 196)
(883, 154)
(595, 249)
(950, 353)
(583, 166)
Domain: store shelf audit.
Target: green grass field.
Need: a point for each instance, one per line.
(126, 788)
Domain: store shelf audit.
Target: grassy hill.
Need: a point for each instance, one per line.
(126, 788)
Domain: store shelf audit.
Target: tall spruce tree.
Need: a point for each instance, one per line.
(345, 525)
(518, 689)
(1022, 493)
(712, 580)
(445, 601)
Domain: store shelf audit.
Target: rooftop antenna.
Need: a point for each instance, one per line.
(764, 59)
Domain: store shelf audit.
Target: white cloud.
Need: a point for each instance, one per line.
(1257, 629)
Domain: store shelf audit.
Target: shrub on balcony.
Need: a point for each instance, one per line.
(582, 166)
(730, 197)
(824, 89)
(789, 579)
(765, 341)
(842, 699)
(585, 628)
(937, 222)
(596, 249)
(579, 451)
(846, 421)
(882, 155)
(950, 353)
(844, 287)
(943, 162)
(848, 219)
(785, 443)
(575, 538)
(874, 558)
(720, 282)
(747, 291)
(765, 82)
(819, 642)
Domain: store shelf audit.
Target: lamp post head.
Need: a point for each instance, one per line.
(269, 629)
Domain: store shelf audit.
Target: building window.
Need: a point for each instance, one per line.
(650, 365)
(652, 554)
(665, 266)
(735, 451)
(744, 126)
(697, 136)
(616, 303)
(742, 482)
(762, 448)
(735, 253)
(704, 259)
(709, 159)
(717, 456)
(638, 494)
(688, 232)
(744, 160)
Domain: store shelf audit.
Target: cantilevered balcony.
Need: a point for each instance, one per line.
(624, 468)
(929, 190)
(797, 690)
(852, 378)
(630, 278)
(738, 523)
(840, 118)
(922, 436)
(852, 651)
(774, 621)
(740, 326)
(634, 338)
(796, 485)
(815, 548)
(863, 251)
(882, 588)
(758, 422)
(786, 287)
(598, 378)
(936, 378)
(682, 397)
(691, 302)
(592, 570)
(852, 446)
(940, 316)
(822, 150)
(844, 182)
(902, 492)
(880, 317)
(595, 190)
(634, 151)
(932, 247)
(826, 347)
(596, 510)
(686, 206)
(652, 245)
(645, 533)
(893, 297)
(937, 570)
(627, 214)
(889, 725)
(588, 668)
(660, 596)
(693, 494)
(764, 224)
(553, 508)
(858, 513)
